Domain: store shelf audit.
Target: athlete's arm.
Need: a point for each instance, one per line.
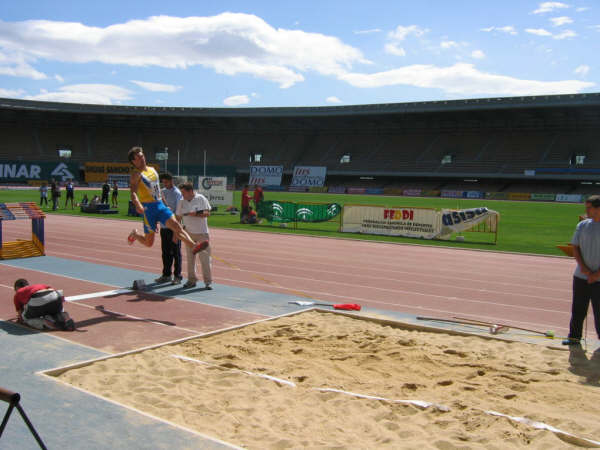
(134, 181)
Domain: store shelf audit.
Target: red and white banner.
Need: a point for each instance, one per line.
(309, 176)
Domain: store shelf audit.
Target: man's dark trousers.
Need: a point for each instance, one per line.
(582, 294)
(171, 253)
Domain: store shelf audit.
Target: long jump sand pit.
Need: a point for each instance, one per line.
(212, 385)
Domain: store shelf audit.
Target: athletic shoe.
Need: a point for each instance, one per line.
(176, 280)
(69, 325)
(570, 341)
(131, 237)
(189, 284)
(202, 245)
(207, 287)
(163, 279)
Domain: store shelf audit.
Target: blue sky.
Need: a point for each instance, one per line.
(282, 53)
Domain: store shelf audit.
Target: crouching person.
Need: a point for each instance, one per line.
(41, 307)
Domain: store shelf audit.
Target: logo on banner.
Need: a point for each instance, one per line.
(304, 214)
(456, 217)
(62, 171)
(209, 183)
(333, 210)
(277, 210)
(399, 214)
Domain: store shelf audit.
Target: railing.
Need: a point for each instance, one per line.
(13, 399)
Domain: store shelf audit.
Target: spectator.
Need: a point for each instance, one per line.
(245, 203)
(586, 279)
(259, 196)
(115, 195)
(55, 192)
(169, 244)
(44, 194)
(70, 189)
(85, 200)
(194, 210)
(105, 191)
(95, 200)
(251, 218)
(41, 307)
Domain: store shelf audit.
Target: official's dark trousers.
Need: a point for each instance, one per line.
(582, 294)
(171, 253)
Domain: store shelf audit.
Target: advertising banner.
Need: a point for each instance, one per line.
(475, 194)
(309, 176)
(519, 196)
(337, 189)
(97, 172)
(392, 191)
(265, 175)
(452, 194)
(275, 211)
(22, 171)
(543, 197)
(571, 198)
(356, 191)
(408, 222)
(496, 195)
(215, 190)
(412, 192)
(454, 221)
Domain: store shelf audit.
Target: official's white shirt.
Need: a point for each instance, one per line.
(194, 224)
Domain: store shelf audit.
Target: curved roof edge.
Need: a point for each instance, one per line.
(492, 103)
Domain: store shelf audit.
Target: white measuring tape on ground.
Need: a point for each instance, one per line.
(74, 298)
(568, 437)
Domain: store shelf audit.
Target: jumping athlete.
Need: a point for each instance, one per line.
(146, 197)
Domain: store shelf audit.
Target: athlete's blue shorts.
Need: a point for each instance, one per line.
(155, 212)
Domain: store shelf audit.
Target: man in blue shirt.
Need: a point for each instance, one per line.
(170, 245)
(586, 279)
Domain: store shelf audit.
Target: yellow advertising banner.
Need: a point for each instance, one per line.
(519, 196)
(97, 172)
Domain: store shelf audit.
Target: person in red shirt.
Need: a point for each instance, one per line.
(40, 306)
(245, 203)
(259, 196)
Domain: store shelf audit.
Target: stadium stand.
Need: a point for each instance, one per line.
(505, 143)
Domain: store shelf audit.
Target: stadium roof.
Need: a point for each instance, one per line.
(440, 106)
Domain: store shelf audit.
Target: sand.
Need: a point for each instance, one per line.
(466, 374)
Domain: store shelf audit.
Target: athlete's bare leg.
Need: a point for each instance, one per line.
(179, 232)
(144, 239)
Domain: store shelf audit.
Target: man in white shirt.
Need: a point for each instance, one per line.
(194, 210)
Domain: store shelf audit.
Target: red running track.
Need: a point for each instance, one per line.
(522, 290)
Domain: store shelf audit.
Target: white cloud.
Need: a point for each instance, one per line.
(582, 9)
(374, 30)
(333, 99)
(549, 7)
(104, 94)
(463, 79)
(538, 31)
(236, 100)
(394, 49)
(508, 29)
(401, 33)
(156, 87)
(228, 43)
(477, 54)
(560, 21)
(582, 70)
(11, 93)
(15, 64)
(448, 44)
(58, 78)
(565, 34)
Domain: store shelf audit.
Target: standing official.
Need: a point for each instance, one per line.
(170, 245)
(586, 279)
(194, 210)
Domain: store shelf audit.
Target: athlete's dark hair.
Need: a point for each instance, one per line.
(21, 282)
